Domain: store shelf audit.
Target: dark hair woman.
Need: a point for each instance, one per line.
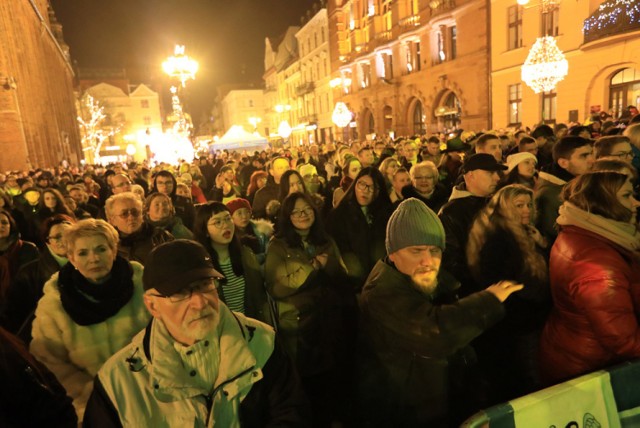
(30, 395)
(595, 278)
(51, 203)
(359, 222)
(258, 181)
(89, 310)
(255, 234)
(242, 288)
(307, 279)
(14, 253)
(26, 288)
(350, 170)
(504, 245)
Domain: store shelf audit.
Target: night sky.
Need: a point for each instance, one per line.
(225, 36)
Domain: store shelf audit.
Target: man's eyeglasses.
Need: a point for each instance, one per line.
(361, 185)
(206, 286)
(164, 183)
(55, 238)
(220, 222)
(133, 212)
(621, 155)
(302, 213)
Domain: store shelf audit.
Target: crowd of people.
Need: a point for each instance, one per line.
(406, 282)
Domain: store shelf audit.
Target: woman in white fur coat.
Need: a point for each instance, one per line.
(90, 309)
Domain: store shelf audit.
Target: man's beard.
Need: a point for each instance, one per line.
(425, 280)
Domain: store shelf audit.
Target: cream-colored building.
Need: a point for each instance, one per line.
(244, 107)
(132, 118)
(601, 42)
(411, 66)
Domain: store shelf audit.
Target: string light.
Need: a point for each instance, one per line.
(545, 65)
(613, 13)
(341, 115)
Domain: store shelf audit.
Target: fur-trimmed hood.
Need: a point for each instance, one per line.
(264, 227)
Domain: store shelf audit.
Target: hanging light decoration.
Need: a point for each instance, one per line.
(284, 129)
(341, 116)
(545, 66)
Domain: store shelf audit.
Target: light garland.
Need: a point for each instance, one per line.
(613, 12)
(545, 65)
(341, 115)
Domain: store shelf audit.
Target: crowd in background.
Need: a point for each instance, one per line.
(297, 232)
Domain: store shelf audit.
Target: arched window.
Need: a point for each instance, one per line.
(624, 90)
(387, 113)
(448, 113)
(419, 126)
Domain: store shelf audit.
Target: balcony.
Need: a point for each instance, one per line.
(439, 7)
(612, 18)
(305, 88)
(409, 23)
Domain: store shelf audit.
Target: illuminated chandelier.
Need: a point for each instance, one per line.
(341, 115)
(545, 65)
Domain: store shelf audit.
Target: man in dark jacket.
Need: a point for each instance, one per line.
(414, 331)
(197, 362)
(467, 199)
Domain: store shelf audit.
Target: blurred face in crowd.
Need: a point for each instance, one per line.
(354, 168)
(312, 182)
(366, 158)
(126, 216)
(50, 200)
(400, 180)
(433, 148)
(160, 208)
(221, 228)
(365, 190)
(423, 180)
(5, 227)
(622, 151)
(392, 167)
(295, 184)
(241, 217)
(32, 197)
(531, 147)
(481, 182)
(378, 149)
(527, 168)
(55, 240)
(421, 263)
(279, 167)
(492, 147)
(164, 184)
(93, 257)
(523, 205)
(77, 195)
(302, 216)
(625, 196)
(410, 151)
(580, 162)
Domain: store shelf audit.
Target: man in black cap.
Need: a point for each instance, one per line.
(480, 173)
(196, 362)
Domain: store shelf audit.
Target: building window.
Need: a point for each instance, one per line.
(365, 74)
(515, 104)
(315, 40)
(144, 103)
(515, 27)
(549, 107)
(550, 22)
(418, 119)
(440, 55)
(250, 103)
(387, 66)
(453, 38)
(146, 120)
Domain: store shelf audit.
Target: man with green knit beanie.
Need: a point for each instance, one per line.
(415, 333)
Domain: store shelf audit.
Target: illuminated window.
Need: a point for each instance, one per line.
(549, 107)
(515, 104)
(550, 22)
(144, 103)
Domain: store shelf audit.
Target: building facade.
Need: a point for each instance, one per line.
(406, 67)
(132, 118)
(38, 125)
(244, 107)
(601, 42)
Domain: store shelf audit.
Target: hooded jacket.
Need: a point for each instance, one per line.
(183, 206)
(547, 199)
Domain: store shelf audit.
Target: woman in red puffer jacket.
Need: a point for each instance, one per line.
(595, 279)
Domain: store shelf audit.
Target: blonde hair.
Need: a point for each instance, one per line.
(88, 228)
(500, 214)
(126, 196)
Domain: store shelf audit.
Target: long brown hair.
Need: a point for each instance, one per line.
(500, 214)
(596, 193)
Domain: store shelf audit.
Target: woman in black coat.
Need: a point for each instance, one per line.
(358, 224)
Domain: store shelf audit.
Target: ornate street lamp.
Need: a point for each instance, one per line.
(180, 66)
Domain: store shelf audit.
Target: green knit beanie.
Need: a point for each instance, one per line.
(413, 223)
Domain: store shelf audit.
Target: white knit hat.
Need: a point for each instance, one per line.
(515, 159)
(308, 169)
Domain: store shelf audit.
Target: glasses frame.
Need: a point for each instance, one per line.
(130, 212)
(304, 212)
(218, 223)
(205, 288)
(364, 187)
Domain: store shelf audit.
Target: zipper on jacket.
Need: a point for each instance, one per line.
(223, 384)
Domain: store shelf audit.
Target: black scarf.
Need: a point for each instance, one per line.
(88, 303)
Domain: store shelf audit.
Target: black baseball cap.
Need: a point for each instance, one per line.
(483, 161)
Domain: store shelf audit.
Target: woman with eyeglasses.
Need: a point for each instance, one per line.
(26, 288)
(137, 237)
(159, 213)
(306, 277)
(14, 253)
(89, 310)
(242, 288)
(359, 222)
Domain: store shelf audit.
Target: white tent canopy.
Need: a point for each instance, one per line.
(237, 138)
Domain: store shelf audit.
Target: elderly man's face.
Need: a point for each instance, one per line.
(120, 184)
(421, 263)
(126, 216)
(191, 319)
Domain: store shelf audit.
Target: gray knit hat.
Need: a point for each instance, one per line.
(413, 223)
